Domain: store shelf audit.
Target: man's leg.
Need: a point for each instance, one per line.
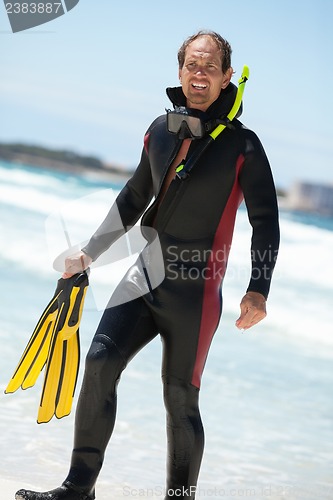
(122, 332)
(187, 326)
(185, 436)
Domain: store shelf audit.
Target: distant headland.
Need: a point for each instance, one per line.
(61, 159)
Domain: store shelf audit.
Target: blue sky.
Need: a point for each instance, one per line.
(94, 79)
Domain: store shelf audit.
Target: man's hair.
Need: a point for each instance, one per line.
(221, 43)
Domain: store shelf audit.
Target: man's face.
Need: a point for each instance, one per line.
(201, 75)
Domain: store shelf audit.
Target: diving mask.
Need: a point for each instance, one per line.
(186, 123)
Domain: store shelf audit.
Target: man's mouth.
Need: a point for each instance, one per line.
(199, 86)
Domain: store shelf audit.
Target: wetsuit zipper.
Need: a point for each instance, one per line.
(150, 213)
(152, 207)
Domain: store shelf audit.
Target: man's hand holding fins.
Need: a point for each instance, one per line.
(76, 263)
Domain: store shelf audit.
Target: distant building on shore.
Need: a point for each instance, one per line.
(310, 197)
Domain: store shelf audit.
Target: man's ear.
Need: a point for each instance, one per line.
(227, 77)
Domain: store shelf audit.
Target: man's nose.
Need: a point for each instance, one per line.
(200, 70)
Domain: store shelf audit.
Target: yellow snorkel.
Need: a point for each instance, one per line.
(238, 101)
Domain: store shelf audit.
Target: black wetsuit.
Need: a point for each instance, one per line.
(194, 224)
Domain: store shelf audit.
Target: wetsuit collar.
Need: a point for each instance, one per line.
(218, 109)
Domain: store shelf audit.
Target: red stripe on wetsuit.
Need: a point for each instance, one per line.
(216, 268)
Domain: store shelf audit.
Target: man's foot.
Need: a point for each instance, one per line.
(62, 493)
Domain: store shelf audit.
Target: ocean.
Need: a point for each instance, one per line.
(266, 397)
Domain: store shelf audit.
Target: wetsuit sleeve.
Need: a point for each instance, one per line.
(258, 187)
(128, 207)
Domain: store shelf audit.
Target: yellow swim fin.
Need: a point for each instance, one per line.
(55, 343)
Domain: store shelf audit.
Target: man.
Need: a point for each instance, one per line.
(193, 218)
